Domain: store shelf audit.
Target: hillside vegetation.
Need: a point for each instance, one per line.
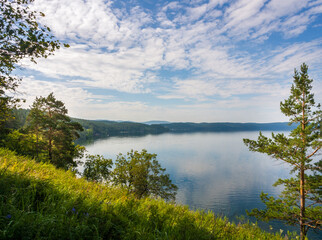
(39, 201)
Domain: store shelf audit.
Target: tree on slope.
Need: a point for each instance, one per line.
(300, 201)
(97, 168)
(142, 175)
(49, 121)
(35, 119)
(21, 36)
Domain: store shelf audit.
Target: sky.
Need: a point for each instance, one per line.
(179, 61)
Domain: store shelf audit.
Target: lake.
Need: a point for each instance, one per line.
(213, 171)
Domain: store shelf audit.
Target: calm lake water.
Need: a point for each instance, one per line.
(213, 171)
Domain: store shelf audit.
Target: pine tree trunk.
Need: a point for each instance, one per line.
(302, 202)
(37, 144)
(50, 145)
(50, 154)
(302, 176)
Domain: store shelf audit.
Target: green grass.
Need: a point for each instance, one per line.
(38, 201)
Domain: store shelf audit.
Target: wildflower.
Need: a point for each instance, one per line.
(8, 216)
(73, 210)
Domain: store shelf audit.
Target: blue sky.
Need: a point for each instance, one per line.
(197, 60)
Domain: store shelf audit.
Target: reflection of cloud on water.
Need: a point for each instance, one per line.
(218, 172)
(194, 168)
(212, 170)
(224, 183)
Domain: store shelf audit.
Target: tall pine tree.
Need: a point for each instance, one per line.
(55, 131)
(300, 201)
(35, 119)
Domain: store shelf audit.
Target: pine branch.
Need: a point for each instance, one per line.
(316, 226)
(313, 152)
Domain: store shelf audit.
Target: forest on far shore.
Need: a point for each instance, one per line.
(96, 129)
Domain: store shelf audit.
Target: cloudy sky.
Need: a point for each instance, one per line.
(189, 60)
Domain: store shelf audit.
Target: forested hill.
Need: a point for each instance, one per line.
(227, 127)
(102, 128)
(94, 129)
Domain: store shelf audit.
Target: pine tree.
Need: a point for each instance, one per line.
(300, 201)
(48, 119)
(35, 119)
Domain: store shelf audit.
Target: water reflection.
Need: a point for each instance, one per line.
(214, 171)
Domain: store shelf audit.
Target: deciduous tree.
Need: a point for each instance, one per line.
(300, 201)
(21, 36)
(141, 174)
(97, 168)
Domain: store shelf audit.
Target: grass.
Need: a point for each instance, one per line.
(38, 201)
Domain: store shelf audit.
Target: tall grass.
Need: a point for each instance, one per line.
(38, 201)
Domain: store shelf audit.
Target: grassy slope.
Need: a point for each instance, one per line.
(38, 201)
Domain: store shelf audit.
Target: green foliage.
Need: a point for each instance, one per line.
(18, 119)
(54, 132)
(21, 36)
(21, 143)
(97, 168)
(300, 201)
(141, 174)
(38, 201)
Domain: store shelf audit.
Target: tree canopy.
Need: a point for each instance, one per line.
(54, 131)
(21, 36)
(97, 168)
(300, 201)
(140, 173)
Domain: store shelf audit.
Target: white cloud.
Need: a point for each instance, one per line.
(214, 3)
(83, 104)
(241, 11)
(252, 19)
(75, 98)
(204, 90)
(195, 89)
(123, 71)
(286, 59)
(138, 47)
(91, 21)
(127, 49)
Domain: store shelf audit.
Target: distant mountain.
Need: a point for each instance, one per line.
(94, 129)
(156, 122)
(227, 127)
(102, 128)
